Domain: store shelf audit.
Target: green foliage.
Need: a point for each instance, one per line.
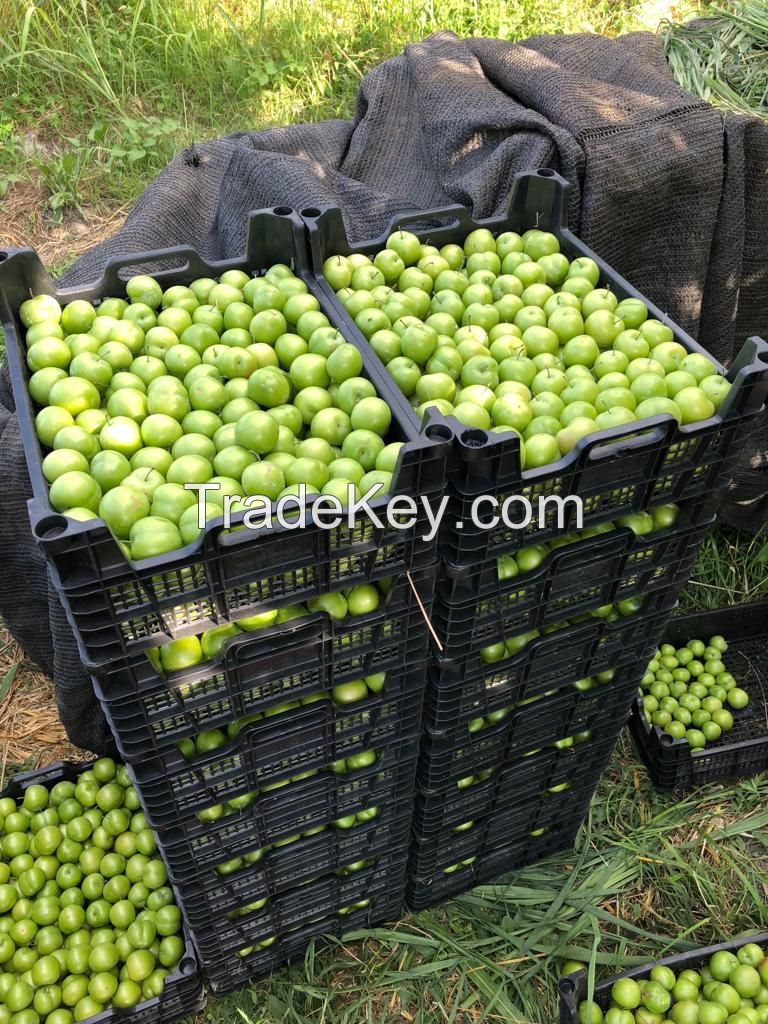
(133, 140)
(724, 59)
(10, 156)
(136, 82)
(730, 569)
(63, 175)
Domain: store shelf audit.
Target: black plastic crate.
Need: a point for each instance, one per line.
(614, 472)
(149, 711)
(466, 687)
(283, 811)
(221, 939)
(440, 810)
(743, 751)
(447, 757)
(503, 829)
(281, 747)
(182, 993)
(118, 607)
(228, 971)
(315, 906)
(466, 544)
(293, 861)
(574, 988)
(103, 639)
(313, 900)
(427, 891)
(474, 609)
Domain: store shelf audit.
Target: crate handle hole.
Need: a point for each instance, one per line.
(150, 265)
(51, 526)
(438, 432)
(567, 987)
(474, 438)
(310, 211)
(667, 740)
(545, 172)
(282, 211)
(3, 256)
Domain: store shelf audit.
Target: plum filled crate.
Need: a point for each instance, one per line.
(182, 994)
(474, 829)
(476, 685)
(615, 471)
(150, 710)
(671, 763)
(117, 607)
(480, 607)
(230, 966)
(221, 832)
(574, 989)
(490, 864)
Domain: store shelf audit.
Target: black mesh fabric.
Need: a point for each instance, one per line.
(668, 190)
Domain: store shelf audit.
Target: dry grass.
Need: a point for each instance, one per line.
(24, 221)
(30, 731)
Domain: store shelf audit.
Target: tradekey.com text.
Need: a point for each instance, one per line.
(297, 510)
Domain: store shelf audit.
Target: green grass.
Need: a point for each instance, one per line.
(651, 874)
(115, 90)
(732, 568)
(724, 60)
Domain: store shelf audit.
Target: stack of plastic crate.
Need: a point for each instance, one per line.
(542, 631)
(282, 811)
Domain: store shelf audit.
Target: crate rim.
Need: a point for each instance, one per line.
(737, 610)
